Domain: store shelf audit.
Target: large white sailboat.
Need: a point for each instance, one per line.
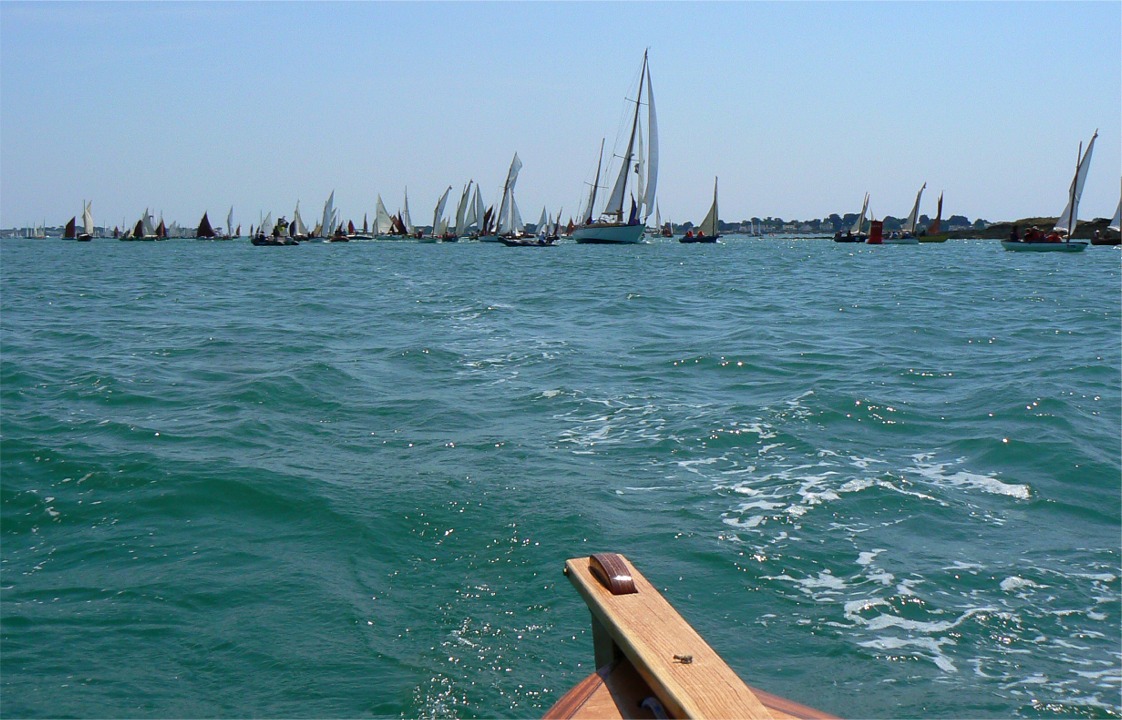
(616, 224)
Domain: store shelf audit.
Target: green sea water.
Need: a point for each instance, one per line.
(341, 480)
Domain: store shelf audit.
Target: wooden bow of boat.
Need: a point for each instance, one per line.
(650, 662)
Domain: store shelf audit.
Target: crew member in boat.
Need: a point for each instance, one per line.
(1014, 236)
(689, 233)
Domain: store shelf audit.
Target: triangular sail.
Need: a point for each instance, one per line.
(462, 210)
(1069, 218)
(439, 212)
(709, 224)
(383, 223)
(69, 231)
(87, 218)
(298, 227)
(506, 207)
(405, 221)
(614, 206)
(230, 222)
(205, 230)
(856, 229)
(1116, 223)
(652, 150)
(910, 223)
(477, 211)
(328, 221)
(935, 226)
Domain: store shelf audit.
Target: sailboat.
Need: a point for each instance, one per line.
(465, 214)
(86, 233)
(932, 234)
(508, 221)
(205, 230)
(707, 231)
(439, 224)
(1068, 219)
(854, 234)
(1113, 230)
(230, 224)
(612, 226)
(297, 230)
(908, 235)
(70, 231)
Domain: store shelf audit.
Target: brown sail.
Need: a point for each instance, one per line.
(70, 232)
(205, 230)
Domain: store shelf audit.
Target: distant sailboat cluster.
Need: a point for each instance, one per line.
(620, 219)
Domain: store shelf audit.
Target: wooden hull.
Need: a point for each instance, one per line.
(1107, 241)
(609, 234)
(1018, 246)
(696, 239)
(651, 662)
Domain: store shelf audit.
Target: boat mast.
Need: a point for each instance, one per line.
(595, 183)
(620, 191)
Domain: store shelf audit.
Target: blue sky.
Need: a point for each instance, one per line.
(799, 107)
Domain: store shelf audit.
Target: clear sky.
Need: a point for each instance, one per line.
(799, 107)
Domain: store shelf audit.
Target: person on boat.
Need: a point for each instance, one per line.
(1054, 237)
(689, 233)
(1014, 236)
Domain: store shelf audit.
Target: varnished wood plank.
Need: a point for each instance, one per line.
(686, 675)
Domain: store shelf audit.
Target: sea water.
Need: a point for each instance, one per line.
(341, 480)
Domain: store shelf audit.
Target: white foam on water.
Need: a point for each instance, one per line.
(1011, 584)
(938, 473)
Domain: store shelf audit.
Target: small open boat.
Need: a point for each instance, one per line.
(707, 232)
(1068, 219)
(650, 662)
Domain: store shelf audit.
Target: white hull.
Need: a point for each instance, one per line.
(609, 234)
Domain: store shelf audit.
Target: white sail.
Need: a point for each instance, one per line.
(517, 225)
(462, 210)
(383, 223)
(439, 213)
(87, 218)
(327, 225)
(475, 215)
(910, 223)
(1116, 223)
(230, 222)
(506, 207)
(856, 229)
(640, 167)
(709, 224)
(1069, 218)
(405, 220)
(267, 224)
(652, 151)
(298, 227)
(630, 160)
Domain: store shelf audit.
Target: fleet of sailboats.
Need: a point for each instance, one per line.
(621, 219)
